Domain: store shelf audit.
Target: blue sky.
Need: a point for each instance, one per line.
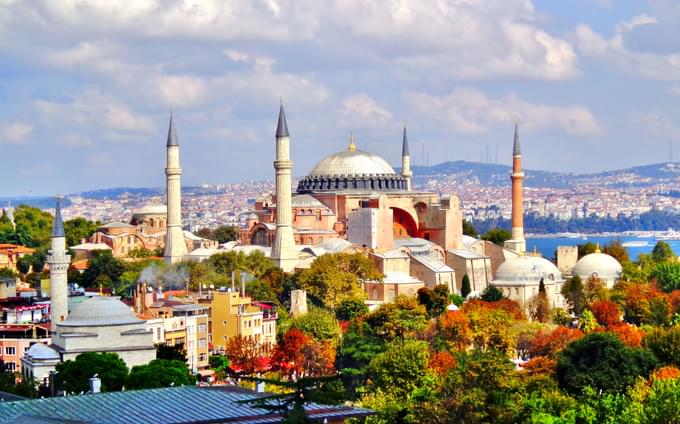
(86, 86)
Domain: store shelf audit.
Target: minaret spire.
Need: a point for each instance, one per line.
(58, 262)
(175, 246)
(406, 160)
(517, 242)
(283, 249)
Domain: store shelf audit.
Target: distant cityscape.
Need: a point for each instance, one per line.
(484, 190)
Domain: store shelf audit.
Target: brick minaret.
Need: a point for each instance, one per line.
(517, 242)
(283, 248)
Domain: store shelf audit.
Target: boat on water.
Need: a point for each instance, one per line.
(669, 235)
(635, 243)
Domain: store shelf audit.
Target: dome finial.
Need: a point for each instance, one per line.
(597, 247)
(352, 146)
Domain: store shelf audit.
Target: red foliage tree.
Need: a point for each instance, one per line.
(540, 365)
(550, 344)
(675, 300)
(442, 362)
(245, 355)
(299, 355)
(606, 312)
(509, 306)
(646, 304)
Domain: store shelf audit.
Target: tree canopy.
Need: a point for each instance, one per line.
(73, 376)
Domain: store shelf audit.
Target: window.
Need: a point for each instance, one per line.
(202, 357)
(10, 366)
(10, 350)
(201, 343)
(202, 328)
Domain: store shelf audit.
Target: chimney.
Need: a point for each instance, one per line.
(95, 385)
(298, 303)
(259, 387)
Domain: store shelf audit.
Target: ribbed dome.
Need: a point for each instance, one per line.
(352, 163)
(599, 265)
(42, 351)
(100, 311)
(527, 269)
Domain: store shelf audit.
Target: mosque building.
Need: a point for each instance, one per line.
(598, 265)
(98, 324)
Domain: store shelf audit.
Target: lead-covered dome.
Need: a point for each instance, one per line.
(527, 270)
(352, 170)
(352, 162)
(600, 265)
(100, 311)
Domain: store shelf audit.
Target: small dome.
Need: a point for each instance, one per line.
(350, 163)
(42, 351)
(527, 269)
(153, 210)
(599, 265)
(306, 201)
(100, 311)
(452, 308)
(252, 217)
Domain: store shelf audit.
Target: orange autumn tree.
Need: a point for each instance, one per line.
(550, 344)
(245, 355)
(454, 327)
(606, 312)
(442, 362)
(668, 372)
(299, 355)
(646, 304)
(630, 335)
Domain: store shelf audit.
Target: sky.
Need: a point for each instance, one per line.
(86, 87)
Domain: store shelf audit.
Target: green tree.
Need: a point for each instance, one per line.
(335, 277)
(10, 383)
(400, 368)
(465, 287)
(497, 236)
(469, 229)
(403, 318)
(540, 310)
(491, 294)
(140, 252)
(617, 251)
(318, 324)
(73, 376)
(661, 406)
(435, 301)
(78, 229)
(603, 362)
(260, 290)
(350, 308)
(586, 249)
(667, 275)
(102, 262)
(662, 252)
(572, 290)
(225, 233)
(33, 226)
(174, 352)
(665, 344)
(159, 373)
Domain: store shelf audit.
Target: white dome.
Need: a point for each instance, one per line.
(100, 311)
(153, 210)
(599, 265)
(352, 162)
(42, 351)
(527, 269)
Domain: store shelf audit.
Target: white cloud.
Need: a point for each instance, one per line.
(661, 124)
(473, 112)
(179, 90)
(613, 51)
(361, 110)
(15, 133)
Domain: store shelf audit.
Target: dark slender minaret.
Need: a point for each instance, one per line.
(283, 249)
(517, 242)
(406, 160)
(58, 262)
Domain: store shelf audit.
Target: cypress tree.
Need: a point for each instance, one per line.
(465, 286)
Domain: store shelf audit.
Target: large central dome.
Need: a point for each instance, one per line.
(352, 170)
(350, 162)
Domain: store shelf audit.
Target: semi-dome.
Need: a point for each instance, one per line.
(352, 169)
(600, 265)
(528, 270)
(100, 311)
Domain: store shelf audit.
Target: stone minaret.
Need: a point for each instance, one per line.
(283, 249)
(406, 161)
(58, 262)
(175, 247)
(517, 243)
